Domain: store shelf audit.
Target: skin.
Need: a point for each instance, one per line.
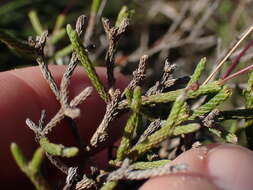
(215, 167)
(24, 93)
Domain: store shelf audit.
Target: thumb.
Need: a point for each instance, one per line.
(213, 167)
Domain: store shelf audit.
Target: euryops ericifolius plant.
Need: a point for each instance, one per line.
(151, 138)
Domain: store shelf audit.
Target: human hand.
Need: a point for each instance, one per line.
(214, 167)
(24, 93)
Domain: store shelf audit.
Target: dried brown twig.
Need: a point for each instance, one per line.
(67, 109)
(139, 73)
(101, 134)
(113, 35)
(175, 37)
(166, 80)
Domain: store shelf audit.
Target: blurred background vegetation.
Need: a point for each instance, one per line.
(225, 19)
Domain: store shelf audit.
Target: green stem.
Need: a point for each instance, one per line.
(95, 6)
(132, 124)
(19, 157)
(87, 64)
(32, 169)
(59, 22)
(58, 35)
(35, 21)
(63, 52)
(109, 185)
(198, 71)
(57, 149)
(168, 97)
(124, 13)
(165, 132)
(213, 103)
(37, 160)
(149, 165)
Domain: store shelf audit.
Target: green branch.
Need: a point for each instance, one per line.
(124, 13)
(32, 168)
(198, 71)
(109, 185)
(57, 149)
(149, 165)
(213, 103)
(63, 52)
(35, 21)
(162, 134)
(95, 6)
(86, 62)
(133, 122)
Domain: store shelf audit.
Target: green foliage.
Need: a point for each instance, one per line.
(210, 88)
(18, 156)
(219, 98)
(132, 124)
(249, 104)
(58, 149)
(224, 136)
(95, 6)
(149, 165)
(165, 132)
(35, 21)
(185, 129)
(32, 168)
(198, 71)
(109, 185)
(86, 62)
(123, 14)
(60, 20)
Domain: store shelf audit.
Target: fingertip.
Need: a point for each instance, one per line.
(230, 167)
(222, 166)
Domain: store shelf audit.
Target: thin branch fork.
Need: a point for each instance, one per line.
(69, 110)
(80, 25)
(113, 35)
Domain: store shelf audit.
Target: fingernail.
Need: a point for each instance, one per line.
(230, 167)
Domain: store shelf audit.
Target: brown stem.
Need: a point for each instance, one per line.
(246, 69)
(237, 59)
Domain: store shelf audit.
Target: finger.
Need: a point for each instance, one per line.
(179, 182)
(219, 167)
(24, 93)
